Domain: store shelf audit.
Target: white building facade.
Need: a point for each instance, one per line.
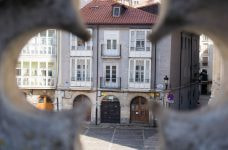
(37, 65)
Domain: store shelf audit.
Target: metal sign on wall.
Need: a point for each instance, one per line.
(170, 98)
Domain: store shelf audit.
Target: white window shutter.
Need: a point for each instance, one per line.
(131, 70)
(148, 70)
(132, 40)
(148, 43)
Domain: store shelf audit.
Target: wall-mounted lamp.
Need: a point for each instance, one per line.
(166, 81)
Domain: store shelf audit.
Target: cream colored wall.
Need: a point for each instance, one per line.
(216, 76)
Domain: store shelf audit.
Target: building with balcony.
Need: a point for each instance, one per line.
(36, 70)
(206, 55)
(119, 72)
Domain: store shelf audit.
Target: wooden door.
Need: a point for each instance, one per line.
(78, 101)
(139, 110)
(110, 112)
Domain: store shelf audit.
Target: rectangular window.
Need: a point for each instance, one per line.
(26, 68)
(107, 73)
(114, 44)
(43, 69)
(43, 43)
(132, 41)
(35, 73)
(111, 73)
(51, 69)
(205, 61)
(139, 70)
(73, 70)
(18, 69)
(80, 69)
(139, 41)
(109, 44)
(78, 44)
(131, 70)
(34, 68)
(116, 11)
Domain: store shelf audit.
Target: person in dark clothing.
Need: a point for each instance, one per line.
(204, 81)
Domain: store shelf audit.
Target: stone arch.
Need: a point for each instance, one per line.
(110, 109)
(79, 100)
(139, 110)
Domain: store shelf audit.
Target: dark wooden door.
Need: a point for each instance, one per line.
(78, 101)
(110, 112)
(139, 110)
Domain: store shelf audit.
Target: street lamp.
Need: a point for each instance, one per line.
(166, 80)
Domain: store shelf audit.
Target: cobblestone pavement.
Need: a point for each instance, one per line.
(120, 138)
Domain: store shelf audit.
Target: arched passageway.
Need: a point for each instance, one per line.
(83, 99)
(139, 110)
(110, 110)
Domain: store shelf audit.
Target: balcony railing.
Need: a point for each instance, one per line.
(139, 84)
(81, 82)
(110, 83)
(35, 82)
(116, 52)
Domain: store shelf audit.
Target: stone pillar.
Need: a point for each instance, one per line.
(216, 76)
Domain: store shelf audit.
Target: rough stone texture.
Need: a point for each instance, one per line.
(21, 126)
(205, 128)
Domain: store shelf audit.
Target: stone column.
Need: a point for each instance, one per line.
(216, 76)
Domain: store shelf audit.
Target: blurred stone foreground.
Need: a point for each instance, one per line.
(23, 128)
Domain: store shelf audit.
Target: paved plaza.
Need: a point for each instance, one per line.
(120, 138)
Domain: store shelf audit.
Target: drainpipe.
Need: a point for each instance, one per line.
(97, 74)
(155, 64)
(58, 52)
(190, 102)
(181, 45)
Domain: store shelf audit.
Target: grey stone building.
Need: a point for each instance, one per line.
(119, 72)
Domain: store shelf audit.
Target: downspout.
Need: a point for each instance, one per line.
(190, 103)
(155, 64)
(97, 73)
(181, 46)
(58, 45)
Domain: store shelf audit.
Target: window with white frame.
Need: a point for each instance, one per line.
(135, 2)
(78, 44)
(139, 41)
(35, 74)
(139, 70)
(43, 43)
(81, 69)
(116, 11)
(110, 73)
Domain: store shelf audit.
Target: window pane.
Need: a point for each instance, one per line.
(51, 33)
(132, 44)
(116, 11)
(88, 70)
(43, 34)
(34, 68)
(131, 71)
(73, 70)
(81, 44)
(108, 44)
(107, 73)
(114, 44)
